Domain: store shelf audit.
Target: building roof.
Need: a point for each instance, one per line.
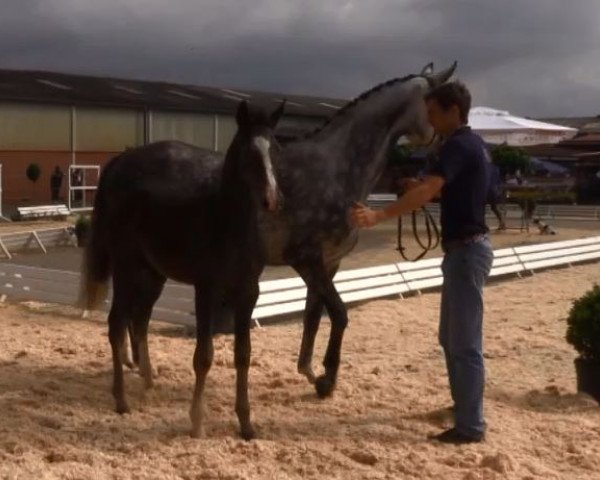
(489, 119)
(71, 89)
(584, 141)
(562, 151)
(585, 124)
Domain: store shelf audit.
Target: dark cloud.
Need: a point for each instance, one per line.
(533, 57)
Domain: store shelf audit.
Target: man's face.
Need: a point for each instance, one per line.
(444, 122)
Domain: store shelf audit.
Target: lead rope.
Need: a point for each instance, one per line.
(433, 235)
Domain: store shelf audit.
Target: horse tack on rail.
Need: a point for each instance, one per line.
(222, 255)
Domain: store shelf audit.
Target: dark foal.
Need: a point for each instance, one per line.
(151, 223)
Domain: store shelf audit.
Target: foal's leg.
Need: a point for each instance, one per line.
(245, 303)
(147, 291)
(312, 318)
(317, 279)
(117, 325)
(126, 353)
(203, 356)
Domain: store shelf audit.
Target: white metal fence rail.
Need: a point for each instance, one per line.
(287, 296)
(574, 212)
(35, 239)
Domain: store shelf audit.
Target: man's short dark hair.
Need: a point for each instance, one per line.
(450, 94)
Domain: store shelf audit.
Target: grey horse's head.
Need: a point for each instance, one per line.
(414, 123)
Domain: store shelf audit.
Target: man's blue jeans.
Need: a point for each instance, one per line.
(466, 269)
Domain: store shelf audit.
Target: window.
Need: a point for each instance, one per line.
(123, 88)
(329, 105)
(234, 92)
(184, 94)
(52, 84)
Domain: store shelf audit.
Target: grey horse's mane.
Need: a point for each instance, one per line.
(363, 96)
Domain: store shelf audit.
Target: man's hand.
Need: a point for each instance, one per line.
(407, 184)
(365, 217)
(417, 196)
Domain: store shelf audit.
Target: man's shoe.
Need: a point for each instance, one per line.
(455, 437)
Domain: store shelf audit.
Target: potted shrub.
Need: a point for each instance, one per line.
(583, 333)
(82, 230)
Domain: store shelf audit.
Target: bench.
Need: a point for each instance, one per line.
(43, 211)
(379, 200)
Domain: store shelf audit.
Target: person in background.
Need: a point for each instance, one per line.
(496, 194)
(55, 183)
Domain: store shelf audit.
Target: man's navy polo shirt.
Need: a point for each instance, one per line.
(464, 163)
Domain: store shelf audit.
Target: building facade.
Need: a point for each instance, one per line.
(58, 120)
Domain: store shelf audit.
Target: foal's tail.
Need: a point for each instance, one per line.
(96, 265)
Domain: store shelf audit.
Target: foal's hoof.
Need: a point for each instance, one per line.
(308, 373)
(248, 433)
(198, 432)
(324, 386)
(122, 408)
(129, 364)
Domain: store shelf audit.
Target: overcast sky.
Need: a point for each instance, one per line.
(532, 57)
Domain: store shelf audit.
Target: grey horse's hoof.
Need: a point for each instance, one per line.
(324, 387)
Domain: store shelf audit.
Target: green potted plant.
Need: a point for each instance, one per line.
(583, 333)
(82, 229)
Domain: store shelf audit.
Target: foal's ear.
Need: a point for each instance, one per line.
(277, 114)
(242, 117)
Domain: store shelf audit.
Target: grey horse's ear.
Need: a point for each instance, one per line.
(242, 117)
(437, 79)
(427, 69)
(277, 114)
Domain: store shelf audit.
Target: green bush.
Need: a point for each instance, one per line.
(33, 172)
(83, 223)
(82, 229)
(510, 159)
(400, 155)
(583, 330)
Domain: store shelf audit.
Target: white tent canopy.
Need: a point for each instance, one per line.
(498, 126)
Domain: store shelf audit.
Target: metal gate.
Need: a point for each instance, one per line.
(82, 179)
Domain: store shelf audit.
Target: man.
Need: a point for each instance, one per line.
(462, 176)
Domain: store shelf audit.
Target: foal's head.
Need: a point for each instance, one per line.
(254, 148)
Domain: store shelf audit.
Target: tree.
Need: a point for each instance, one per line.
(33, 172)
(400, 155)
(399, 165)
(510, 159)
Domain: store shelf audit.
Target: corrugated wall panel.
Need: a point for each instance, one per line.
(108, 130)
(226, 132)
(195, 129)
(34, 127)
